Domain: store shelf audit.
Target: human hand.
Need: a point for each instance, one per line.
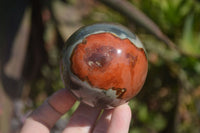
(84, 120)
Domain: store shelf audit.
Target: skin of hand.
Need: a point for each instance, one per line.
(84, 120)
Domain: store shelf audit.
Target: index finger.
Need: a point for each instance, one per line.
(43, 118)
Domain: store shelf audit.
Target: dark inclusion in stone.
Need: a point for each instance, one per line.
(100, 56)
(119, 91)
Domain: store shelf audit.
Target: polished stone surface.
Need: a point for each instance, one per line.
(104, 69)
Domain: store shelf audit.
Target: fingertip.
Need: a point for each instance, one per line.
(62, 100)
(83, 119)
(51, 110)
(123, 112)
(121, 118)
(124, 109)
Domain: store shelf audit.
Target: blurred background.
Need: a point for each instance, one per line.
(33, 32)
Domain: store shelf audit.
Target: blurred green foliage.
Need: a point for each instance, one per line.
(170, 99)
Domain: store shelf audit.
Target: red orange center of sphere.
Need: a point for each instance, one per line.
(107, 62)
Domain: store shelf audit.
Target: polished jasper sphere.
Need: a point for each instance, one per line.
(104, 65)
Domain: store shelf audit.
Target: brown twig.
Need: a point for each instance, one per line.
(131, 12)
